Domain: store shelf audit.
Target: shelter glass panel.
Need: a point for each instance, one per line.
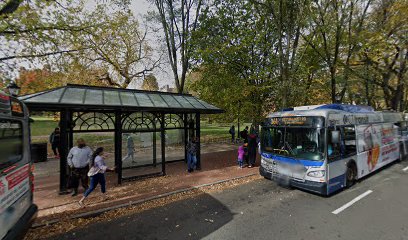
(94, 121)
(111, 98)
(173, 121)
(93, 97)
(171, 101)
(174, 144)
(140, 121)
(144, 100)
(183, 102)
(158, 101)
(51, 97)
(128, 99)
(141, 154)
(194, 102)
(209, 106)
(73, 96)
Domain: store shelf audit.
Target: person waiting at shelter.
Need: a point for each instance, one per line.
(252, 147)
(78, 161)
(192, 154)
(55, 142)
(244, 134)
(246, 156)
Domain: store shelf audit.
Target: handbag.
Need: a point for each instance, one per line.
(93, 171)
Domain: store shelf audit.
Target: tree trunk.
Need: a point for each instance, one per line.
(333, 83)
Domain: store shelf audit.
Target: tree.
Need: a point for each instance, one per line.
(34, 29)
(119, 45)
(235, 53)
(150, 83)
(250, 58)
(333, 29)
(385, 51)
(40, 31)
(179, 19)
(36, 80)
(288, 21)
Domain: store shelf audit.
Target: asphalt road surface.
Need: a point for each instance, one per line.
(375, 208)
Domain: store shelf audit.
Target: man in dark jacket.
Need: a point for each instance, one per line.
(55, 142)
(252, 147)
(244, 134)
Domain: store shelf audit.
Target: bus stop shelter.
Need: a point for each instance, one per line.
(90, 109)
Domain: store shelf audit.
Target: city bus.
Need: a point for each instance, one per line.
(326, 148)
(17, 210)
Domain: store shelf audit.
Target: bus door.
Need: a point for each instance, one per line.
(341, 147)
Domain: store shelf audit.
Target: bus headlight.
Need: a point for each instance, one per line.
(317, 174)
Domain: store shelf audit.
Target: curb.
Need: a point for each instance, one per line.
(98, 212)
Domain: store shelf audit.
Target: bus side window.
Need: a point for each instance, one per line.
(333, 149)
(349, 140)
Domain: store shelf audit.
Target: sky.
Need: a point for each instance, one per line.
(140, 6)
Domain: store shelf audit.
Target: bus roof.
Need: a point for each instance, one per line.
(342, 114)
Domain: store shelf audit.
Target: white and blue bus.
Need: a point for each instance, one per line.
(325, 148)
(17, 210)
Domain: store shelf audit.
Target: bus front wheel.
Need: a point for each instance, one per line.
(351, 174)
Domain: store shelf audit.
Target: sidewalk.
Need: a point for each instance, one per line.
(216, 166)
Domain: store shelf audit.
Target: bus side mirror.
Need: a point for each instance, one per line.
(335, 137)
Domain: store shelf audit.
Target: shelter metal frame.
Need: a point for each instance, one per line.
(124, 114)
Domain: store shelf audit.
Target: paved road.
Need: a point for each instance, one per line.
(262, 210)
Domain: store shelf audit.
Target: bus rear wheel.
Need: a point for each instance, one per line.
(351, 175)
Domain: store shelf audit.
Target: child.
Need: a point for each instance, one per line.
(241, 154)
(97, 174)
(246, 156)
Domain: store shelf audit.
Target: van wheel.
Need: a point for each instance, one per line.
(351, 174)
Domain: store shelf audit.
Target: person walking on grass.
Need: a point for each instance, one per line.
(241, 153)
(97, 175)
(232, 132)
(78, 161)
(192, 154)
(55, 142)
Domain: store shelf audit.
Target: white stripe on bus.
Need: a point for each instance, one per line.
(345, 206)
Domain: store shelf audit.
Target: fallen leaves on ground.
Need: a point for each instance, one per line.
(66, 224)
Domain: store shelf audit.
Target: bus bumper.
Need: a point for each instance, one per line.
(316, 187)
(22, 226)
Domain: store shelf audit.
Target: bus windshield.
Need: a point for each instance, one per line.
(11, 142)
(296, 142)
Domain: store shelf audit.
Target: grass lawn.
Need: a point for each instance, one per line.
(42, 127)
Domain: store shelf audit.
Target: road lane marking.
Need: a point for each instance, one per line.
(358, 198)
(405, 169)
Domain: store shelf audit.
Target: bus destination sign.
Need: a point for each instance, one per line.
(297, 121)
